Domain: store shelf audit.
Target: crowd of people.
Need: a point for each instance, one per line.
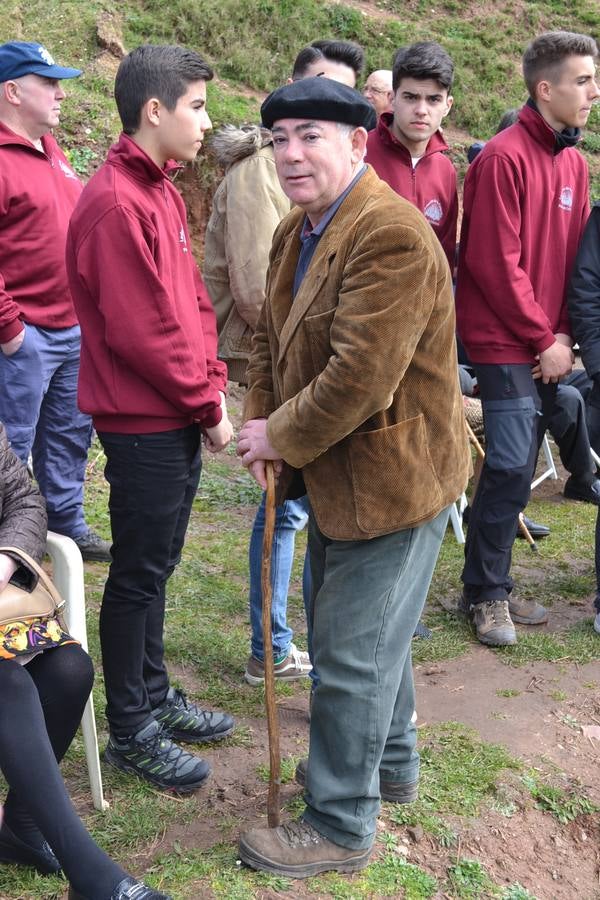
(330, 293)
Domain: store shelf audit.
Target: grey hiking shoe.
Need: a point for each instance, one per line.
(493, 623)
(391, 791)
(526, 612)
(184, 721)
(153, 756)
(597, 623)
(297, 850)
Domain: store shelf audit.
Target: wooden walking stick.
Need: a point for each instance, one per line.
(481, 453)
(272, 716)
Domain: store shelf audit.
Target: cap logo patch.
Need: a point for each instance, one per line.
(47, 57)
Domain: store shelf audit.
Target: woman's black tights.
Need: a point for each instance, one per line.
(41, 705)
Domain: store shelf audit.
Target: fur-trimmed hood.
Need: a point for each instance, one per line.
(231, 143)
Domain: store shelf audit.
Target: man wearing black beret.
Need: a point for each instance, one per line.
(353, 394)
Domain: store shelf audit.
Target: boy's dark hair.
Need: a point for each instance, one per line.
(425, 59)
(545, 55)
(149, 71)
(346, 52)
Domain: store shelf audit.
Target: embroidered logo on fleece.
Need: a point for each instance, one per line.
(66, 170)
(433, 212)
(565, 201)
(47, 57)
(182, 240)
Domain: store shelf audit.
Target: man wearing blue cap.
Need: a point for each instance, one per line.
(353, 393)
(39, 334)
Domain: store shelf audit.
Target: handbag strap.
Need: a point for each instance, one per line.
(43, 577)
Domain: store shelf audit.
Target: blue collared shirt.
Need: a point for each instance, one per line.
(310, 237)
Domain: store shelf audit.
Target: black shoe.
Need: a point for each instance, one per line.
(128, 889)
(93, 548)
(14, 850)
(155, 758)
(536, 530)
(586, 488)
(185, 721)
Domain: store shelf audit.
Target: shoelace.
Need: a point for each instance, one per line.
(136, 890)
(180, 700)
(162, 743)
(500, 612)
(300, 832)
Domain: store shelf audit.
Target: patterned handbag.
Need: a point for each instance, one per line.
(30, 619)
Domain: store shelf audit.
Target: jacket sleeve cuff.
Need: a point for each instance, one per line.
(544, 343)
(211, 419)
(8, 332)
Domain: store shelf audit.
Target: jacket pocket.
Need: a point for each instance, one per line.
(394, 481)
(317, 329)
(510, 432)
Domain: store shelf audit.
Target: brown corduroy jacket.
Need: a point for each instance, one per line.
(358, 375)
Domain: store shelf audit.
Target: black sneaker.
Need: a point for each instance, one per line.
(14, 850)
(185, 721)
(152, 755)
(128, 889)
(93, 548)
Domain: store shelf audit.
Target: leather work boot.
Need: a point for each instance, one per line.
(526, 612)
(493, 623)
(391, 791)
(297, 850)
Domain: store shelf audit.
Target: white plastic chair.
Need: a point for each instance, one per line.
(67, 574)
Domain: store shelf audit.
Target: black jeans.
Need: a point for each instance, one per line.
(42, 704)
(568, 427)
(516, 412)
(153, 479)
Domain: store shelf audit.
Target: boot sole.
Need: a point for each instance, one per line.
(123, 766)
(255, 861)
(256, 680)
(494, 642)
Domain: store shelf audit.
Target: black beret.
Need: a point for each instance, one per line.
(318, 98)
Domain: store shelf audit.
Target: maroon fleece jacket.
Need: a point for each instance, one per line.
(149, 341)
(38, 192)
(430, 185)
(525, 206)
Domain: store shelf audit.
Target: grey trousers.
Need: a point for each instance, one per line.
(367, 597)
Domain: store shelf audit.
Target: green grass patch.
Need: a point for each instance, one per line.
(565, 805)
(469, 880)
(459, 774)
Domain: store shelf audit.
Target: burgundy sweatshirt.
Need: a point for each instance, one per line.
(430, 185)
(38, 192)
(525, 206)
(149, 341)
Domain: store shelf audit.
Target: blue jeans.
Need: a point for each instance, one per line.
(366, 600)
(153, 480)
(290, 517)
(38, 405)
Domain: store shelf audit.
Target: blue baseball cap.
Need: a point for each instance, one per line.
(18, 58)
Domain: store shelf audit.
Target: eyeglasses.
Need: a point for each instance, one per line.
(372, 90)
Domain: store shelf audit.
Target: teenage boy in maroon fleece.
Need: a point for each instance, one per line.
(525, 205)
(406, 149)
(152, 383)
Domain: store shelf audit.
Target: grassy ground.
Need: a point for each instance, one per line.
(188, 846)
